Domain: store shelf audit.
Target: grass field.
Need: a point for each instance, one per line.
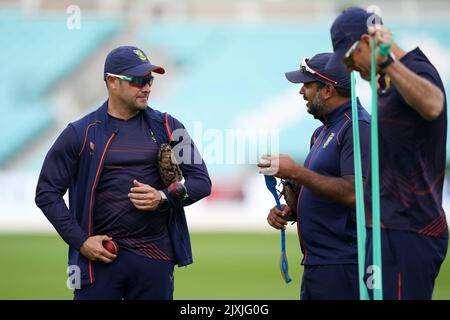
(226, 266)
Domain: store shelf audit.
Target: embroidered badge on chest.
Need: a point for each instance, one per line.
(387, 83)
(330, 137)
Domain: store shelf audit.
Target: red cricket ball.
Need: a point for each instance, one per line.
(178, 190)
(111, 246)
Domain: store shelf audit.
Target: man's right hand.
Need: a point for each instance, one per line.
(276, 218)
(281, 166)
(93, 249)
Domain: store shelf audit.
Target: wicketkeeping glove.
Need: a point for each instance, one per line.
(168, 168)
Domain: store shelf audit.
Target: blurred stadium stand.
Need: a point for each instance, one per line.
(36, 55)
(225, 63)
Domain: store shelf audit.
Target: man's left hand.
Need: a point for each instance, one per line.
(144, 197)
(383, 37)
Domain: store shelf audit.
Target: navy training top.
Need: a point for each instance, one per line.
(327, 230)
(132, 155)
(412, 158)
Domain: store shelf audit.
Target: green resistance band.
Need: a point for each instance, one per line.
(384, 49)
(360, 215)
(376, 232)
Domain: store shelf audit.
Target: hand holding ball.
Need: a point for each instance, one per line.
(111, 246)
(177, 190)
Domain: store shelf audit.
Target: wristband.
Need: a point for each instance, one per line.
(389, 60)
(163, 203)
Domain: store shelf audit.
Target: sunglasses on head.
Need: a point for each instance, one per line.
(305, 68)
(347, 60)
(134, 81)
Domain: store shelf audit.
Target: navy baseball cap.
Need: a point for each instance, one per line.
(131, 61)
(315, 69)
(348, 28)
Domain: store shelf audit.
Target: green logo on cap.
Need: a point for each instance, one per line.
(140, 54)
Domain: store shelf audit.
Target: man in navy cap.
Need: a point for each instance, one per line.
(326, 215)
(108, 160)
(412, 135)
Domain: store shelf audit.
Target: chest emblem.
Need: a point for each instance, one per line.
(387, 83)
(330, 137)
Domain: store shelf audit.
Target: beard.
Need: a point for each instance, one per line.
(141, 103)
(317, 106)
(134, 104)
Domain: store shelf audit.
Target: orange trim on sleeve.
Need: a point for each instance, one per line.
(169, 132)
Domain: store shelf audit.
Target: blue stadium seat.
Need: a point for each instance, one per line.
(37, 52)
